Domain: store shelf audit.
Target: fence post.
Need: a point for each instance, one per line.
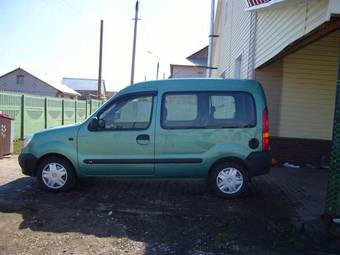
(45, 112)
(22, 121)
(90, 106)
(62, 112)
(85, 109)
(75, 111)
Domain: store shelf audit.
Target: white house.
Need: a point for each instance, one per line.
(22, 81)
(196, 65)
(292, 48)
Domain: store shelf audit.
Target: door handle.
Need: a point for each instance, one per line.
(143, 139)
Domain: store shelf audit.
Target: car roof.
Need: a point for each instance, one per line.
(196, 84)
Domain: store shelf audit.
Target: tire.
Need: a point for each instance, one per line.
(56, 174)
(228, 180)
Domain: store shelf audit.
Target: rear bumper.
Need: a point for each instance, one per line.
(258, 163)
(28, 163)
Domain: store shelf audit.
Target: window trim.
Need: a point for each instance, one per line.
(207, 93)
(121, 98)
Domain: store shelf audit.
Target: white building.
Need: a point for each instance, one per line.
(196, 66)
(292, 48)
(22, 81)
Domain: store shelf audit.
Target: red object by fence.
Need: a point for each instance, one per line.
(5, 134)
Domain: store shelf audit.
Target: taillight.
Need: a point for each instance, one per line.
(265, 130)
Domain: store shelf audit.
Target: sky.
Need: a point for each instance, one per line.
(60, 38)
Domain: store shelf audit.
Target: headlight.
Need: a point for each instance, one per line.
(27, 140)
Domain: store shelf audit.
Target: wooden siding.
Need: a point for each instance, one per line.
(271, 79)
(233, 28)
(279, 27)
(308, 90)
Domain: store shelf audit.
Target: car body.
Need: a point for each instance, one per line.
(167, 128)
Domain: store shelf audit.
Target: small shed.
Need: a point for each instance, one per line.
(6, 135)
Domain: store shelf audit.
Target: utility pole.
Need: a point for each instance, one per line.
(99, 92)
(134, 43)
(211, 37)
(157, 70)
(157, 65)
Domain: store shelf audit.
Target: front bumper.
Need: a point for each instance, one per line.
(28, 163)
(258, 163)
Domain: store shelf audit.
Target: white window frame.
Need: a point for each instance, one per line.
(238, 67)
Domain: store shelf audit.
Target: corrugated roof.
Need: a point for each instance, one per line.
(83, 84)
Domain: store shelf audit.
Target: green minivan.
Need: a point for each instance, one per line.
(196, 128)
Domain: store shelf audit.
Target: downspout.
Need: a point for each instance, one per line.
(211, 38)
(252, 45)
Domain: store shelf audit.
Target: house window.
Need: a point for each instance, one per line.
(238, 65)
(20, 79)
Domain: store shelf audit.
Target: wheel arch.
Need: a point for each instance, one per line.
(226, 160)
(54, 155)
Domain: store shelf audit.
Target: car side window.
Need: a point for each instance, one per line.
(129, 114)
(231, 109)
(180, 111)
(222, 107)
(208, 110)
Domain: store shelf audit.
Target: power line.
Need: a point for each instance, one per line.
(71, 7)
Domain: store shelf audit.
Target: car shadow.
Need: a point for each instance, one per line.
(157, 196)
(153, 211)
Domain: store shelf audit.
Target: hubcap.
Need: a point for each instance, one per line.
(54, 175)
(229, 180)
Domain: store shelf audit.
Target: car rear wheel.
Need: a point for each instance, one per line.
(228, 180)
(56, 174)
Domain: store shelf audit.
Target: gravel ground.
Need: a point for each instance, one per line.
(279, 215)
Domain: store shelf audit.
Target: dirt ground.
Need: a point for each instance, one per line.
(280, 214)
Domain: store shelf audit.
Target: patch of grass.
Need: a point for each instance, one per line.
(17, 146)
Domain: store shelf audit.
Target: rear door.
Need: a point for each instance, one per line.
(197, 128)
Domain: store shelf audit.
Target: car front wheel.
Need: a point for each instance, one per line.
(56, 174)
(228, 180)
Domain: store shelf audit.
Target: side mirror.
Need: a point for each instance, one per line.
(101, 123)
(93, 124)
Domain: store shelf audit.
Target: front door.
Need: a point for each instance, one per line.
(123, 142)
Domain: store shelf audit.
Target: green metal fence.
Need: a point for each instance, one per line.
(34, 113)
(333, 192)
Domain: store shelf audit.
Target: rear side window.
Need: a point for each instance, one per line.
(231, 110)
(208, 110)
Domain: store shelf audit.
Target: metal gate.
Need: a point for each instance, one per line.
(333, 192)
